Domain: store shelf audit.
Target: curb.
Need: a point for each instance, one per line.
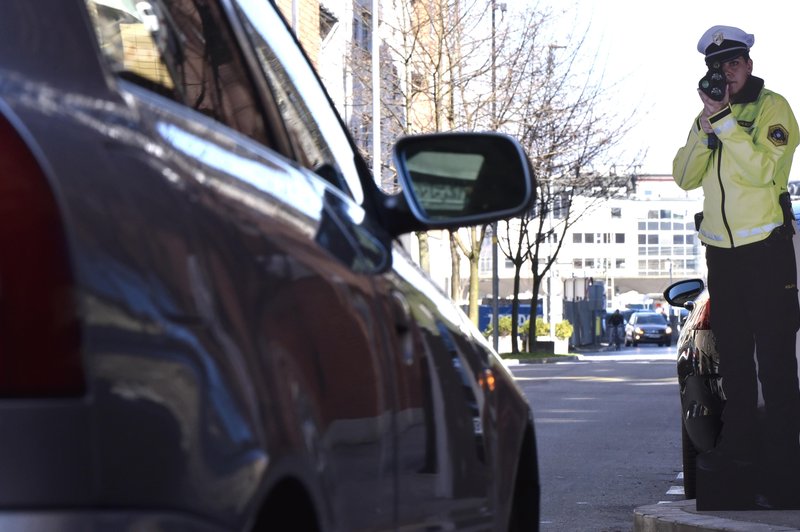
(546, 360)
(682, 516)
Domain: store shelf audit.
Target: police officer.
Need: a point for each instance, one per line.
(740, 149)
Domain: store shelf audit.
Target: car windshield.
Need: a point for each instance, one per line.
(650, 319)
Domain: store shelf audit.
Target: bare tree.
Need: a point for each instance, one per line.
(446, 77)
(433, 40)
(562, 116)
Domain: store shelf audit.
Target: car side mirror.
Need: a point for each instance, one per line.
(464, 179)
(684, 292)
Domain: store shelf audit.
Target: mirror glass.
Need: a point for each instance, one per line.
(463, 175)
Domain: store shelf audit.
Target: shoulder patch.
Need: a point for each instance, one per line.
(778, 135)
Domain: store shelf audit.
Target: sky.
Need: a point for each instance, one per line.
(651, 47)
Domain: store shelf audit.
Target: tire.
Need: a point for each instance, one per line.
(635, 343)
(689, 464)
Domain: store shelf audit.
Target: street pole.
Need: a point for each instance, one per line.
(495, 277)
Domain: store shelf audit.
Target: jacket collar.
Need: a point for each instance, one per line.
(750, 91)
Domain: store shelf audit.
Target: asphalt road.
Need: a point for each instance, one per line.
(608, 435)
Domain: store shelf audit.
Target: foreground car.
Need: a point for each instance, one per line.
(207, 321)
(701, 394)
(646, 326)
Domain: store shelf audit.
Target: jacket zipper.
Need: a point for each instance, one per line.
(722, 191)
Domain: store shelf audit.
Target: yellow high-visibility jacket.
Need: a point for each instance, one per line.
(744, 175)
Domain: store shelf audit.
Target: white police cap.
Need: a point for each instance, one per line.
(723, 43)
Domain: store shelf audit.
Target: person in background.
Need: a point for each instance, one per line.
(739, 150)
(615, 333)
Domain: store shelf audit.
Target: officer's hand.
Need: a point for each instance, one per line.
(710, 108)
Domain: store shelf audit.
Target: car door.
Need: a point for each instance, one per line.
(290, 372)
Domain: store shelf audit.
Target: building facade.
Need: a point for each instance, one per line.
(636, 244)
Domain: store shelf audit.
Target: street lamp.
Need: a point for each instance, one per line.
(495, 275)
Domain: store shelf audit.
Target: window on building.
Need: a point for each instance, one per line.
(417, 81)
(577, 238)
(485, 261)
(362, 29)
(677, 239)
(619, 238)
(577, 264)
(616, 212)
(619, 263)
(588, 238)
(561, 204)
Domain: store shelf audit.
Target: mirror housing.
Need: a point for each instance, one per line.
(452, 180)
(683, 293)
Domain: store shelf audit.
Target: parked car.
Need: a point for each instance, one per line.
(626, 314)
(701, 394)
(208, 319)
(647, 326)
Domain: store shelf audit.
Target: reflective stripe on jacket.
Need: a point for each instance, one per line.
(744, 175)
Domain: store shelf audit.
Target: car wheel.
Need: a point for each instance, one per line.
(689, 464)
(635, 343)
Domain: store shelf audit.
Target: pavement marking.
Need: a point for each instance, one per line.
(676, 490)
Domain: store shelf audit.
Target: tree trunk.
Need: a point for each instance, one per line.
(424, 252)
(537, 283)
(455, 270)
(473, 288)
(515, 311)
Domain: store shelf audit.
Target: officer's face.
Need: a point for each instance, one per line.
(736, 72)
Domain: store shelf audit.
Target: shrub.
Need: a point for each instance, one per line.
(564, 330)
(503, 330)
(542, 327)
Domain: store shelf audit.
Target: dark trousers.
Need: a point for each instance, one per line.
(754, 307)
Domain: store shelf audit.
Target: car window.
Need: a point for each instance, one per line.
(186, 53)
(321, 142)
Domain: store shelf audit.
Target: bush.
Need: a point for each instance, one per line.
(542, 327)
(564, 330)
(504, 330)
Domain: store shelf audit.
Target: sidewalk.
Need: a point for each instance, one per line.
(682, 516)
